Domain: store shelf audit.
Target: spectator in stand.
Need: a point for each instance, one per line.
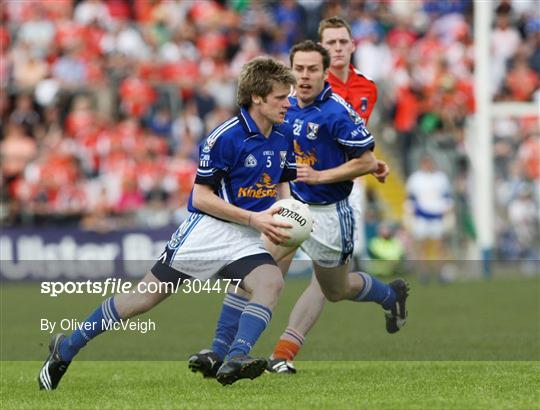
(38, 31)
(521, 81)
(386, 252)
(505, 41)
(290, 20)
(258, 19)
(524, 221)
(17, 149)
(160, 123)
(534, 45)
(126, 40)
(137, 96)
(70, 69)
(127, 52)
(131, 198)
(29, 71)
(187, 129)
(373, 57)
(528, 156)
(25, 115)
(88, 11)
(81, 117)
(407, 112)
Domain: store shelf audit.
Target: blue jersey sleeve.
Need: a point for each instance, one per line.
(289, 170)
(216, 157)
(350, 131)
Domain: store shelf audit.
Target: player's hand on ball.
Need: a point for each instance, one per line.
(266, 224)
(298, 214)
(306, 174)
(383, 170)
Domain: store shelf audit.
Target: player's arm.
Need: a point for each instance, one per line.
(284, 190)
(364, 164)
(383, 170)
(208, 202)
(357, 142)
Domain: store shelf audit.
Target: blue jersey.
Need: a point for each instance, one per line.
(243, 166)
(327, 134)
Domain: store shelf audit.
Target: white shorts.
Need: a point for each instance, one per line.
(332, 241)
(203, 245)
(356, 199)
(423, 228)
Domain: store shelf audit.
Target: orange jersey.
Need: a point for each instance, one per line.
(359, 91)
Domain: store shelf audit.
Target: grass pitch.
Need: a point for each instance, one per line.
(319, 385)
(469, 345)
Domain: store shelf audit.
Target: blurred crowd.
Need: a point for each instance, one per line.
(104, 102)
(517, 188)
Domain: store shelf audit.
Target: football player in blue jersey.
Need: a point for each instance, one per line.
(243, 162)
(332, 147)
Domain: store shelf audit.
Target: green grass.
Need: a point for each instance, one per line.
(469, 345)
(319, 385)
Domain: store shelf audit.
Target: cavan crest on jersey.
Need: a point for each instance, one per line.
(243, 166)
(327, 133)
(312, 130)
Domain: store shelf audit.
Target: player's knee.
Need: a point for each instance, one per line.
(141, 302)
(147, 302)
(273, 283)
(333, 295)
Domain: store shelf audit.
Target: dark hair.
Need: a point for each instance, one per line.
(333, 22)
(307, 46)
(258, 77)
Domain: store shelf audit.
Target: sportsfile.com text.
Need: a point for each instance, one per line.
(118, 285)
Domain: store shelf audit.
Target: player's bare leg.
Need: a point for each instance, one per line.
(140, 301)
(283, 256)
(304, 315)
(208, 361)
(264, 284)
(336, 284)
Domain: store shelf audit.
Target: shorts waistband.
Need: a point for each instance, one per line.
(329, 206)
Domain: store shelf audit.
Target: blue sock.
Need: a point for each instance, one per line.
(100, 318)
(253, 321)
(376, 291)
(227, 324)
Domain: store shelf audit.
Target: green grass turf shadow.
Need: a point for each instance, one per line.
(318, 385)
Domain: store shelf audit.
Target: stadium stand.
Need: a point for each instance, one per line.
(103, 102)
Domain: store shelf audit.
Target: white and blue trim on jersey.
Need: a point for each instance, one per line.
(218, 132)
(327, 134)
(368, 140)
(222, 192)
